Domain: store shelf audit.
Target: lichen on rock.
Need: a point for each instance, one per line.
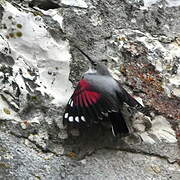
(139, 42)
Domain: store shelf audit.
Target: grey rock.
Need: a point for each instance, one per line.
(139, 42)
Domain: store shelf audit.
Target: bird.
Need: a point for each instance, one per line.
(98, 97)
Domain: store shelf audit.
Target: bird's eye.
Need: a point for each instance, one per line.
(95, 64)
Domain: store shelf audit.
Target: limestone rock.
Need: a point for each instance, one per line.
(139, 42)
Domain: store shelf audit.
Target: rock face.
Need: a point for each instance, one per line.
(140, 42)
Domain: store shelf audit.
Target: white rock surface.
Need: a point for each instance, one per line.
(35, 68)
(161, 129)
(79, 3)
(37, 50)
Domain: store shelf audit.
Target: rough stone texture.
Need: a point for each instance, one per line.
(140, 43)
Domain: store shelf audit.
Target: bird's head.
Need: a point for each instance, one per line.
(96, 67)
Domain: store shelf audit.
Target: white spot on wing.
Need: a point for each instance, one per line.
(71, 104)
(69, 101)
(83, 119)
(77, 118)
(70, 118)
(66, 115)
(114, 110)
(105, 114)
(113, 131)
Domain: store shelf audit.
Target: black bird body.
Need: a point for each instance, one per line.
(98, 97)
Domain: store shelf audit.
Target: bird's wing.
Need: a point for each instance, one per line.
(128, 99)
(87, 105)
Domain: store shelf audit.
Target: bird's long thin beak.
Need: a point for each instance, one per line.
(91, 61)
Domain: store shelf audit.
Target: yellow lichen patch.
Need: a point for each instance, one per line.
(19, 26)
(72, 155)
(4, 165)
(34, 98)
(121, 38)
(7, 111)
(19, 34)
(37, 13)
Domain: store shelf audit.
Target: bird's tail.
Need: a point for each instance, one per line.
(119, 125)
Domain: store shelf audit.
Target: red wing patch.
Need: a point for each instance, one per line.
(86, 105)
(83, 96)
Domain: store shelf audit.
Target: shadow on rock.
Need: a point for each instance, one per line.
(86, 141)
